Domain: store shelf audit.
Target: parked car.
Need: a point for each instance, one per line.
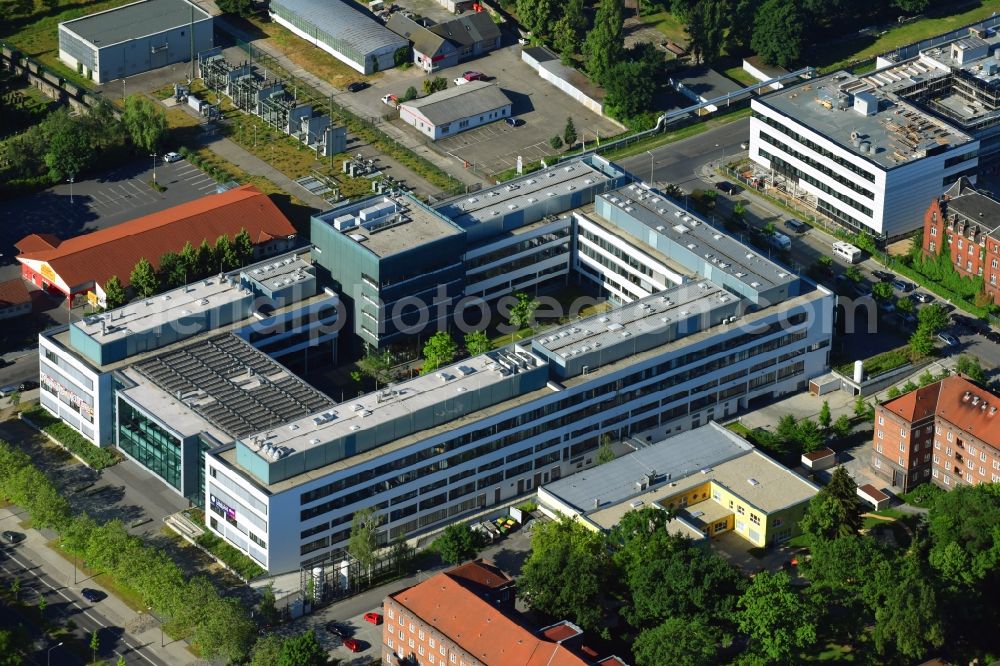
(11, 537)
(357, 86)
(460, 80)
(92, 595)
(902, 285)
(8, 390)
(172, 157)
(993, 336)
(373, 617)
(474, 76)
(390, 100)
(335, 629)
(883, 276)
(921, 297)
(797, 226)
(513, 122)
(352, 644)
(727, 187)
(948, 339)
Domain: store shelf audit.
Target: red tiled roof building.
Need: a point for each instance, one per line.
(74, 266)
(947, 432)
(465, 617)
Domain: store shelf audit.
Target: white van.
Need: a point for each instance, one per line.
(847, 252)
(780, 241)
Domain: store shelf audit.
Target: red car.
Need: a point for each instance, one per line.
(374, 618)
(352, 645)
(474, 76)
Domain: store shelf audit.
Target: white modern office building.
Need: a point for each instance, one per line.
(701, 327)
(207, 334)
(869, 160)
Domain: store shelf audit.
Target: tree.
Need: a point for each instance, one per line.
(377, 366)
(567, 573)
(964, 529)
(15, 398)
(239, 7)
(788, 429)
(188, 262)
(777, 33)
(362, 543)
(302, 650)
(860, 407)
(42, 603)
(10, 654)
(225, 254)
(267, 650)
(537, 16)
(969, 367)
(933, 317)
(522, 313)
(243, 246)
(925, 379)
(15, 588)
(477, 342)
(921, 343)
(410, 94)
(778, 620)
(605, 453)
(434, 85)
(842, 426)
(145, 123)
(143, 279)
(853, 273)
(556, 142)
(893, 393)
(569, 133)
(605, 43)
(205, 263)
(904, 305)
(439, 350)
(114, 293)
(882, 291)
(706, 27)
(808, 435)
(623, 98)
(569, 31)
(825, 417)
(457, 544)
(95, 643)
(68, 148)
(120, 661)
(268, 610)
(835, 510)
(910, 6)
(679, 642)
(911, 601)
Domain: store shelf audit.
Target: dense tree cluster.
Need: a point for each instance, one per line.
(64, 146)
(897, 600)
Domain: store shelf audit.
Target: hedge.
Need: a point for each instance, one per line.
(243, 565)
(71, 440)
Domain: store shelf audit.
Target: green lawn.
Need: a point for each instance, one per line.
(740, 75)
(832, 57)
(666, 23)
(922, 496)
(37, 35)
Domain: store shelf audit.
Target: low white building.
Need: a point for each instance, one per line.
(870, 160)
(456, 109)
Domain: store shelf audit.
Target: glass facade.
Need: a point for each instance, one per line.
(151, 446)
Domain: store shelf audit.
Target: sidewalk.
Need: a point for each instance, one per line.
(453, 167)
(139, 630)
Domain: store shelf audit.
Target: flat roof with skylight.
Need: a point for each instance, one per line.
(233, 386)
(522, 193)
(389, 224)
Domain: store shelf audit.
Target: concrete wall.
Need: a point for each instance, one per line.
(593, 104)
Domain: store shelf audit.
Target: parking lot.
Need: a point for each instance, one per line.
(68, 210)
(495, 147)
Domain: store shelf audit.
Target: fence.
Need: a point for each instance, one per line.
(46, 80)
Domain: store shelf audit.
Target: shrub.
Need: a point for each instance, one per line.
(71, 440)
(245, 567)
(556, 142)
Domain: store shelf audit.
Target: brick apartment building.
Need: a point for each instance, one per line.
(967, 222)
(947, 432)
(466, 617)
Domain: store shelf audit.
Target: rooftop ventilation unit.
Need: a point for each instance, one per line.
(753, 482)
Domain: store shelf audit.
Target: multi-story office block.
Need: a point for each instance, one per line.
(166, 378)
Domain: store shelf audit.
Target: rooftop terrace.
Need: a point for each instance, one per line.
(852, 112)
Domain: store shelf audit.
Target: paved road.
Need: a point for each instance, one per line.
(681, 162)
(38, 569)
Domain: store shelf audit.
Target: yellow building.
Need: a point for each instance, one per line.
(712, 478)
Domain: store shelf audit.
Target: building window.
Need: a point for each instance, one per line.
(902, 432)
(740, 510)
(995, 264)
(755, 519)
(880, 434)
(420, 634)
(947, 451)
(982, 456)
(430, 643)
(927, 457)
(947, 480)
(878, 463)
(960, 244)
(902, 446)
(881, 420)
(934, 473)
(389, 642)
(932, 247)
(878, 447)
(951, 436)
(934, 229)
(937, 458)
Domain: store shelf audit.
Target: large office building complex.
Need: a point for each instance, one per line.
(134, 38)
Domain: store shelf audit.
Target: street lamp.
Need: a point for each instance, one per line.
(48, 653)
(71, 189)
(650, 153)
(153, 155)
(150, 609)
(74, 564)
